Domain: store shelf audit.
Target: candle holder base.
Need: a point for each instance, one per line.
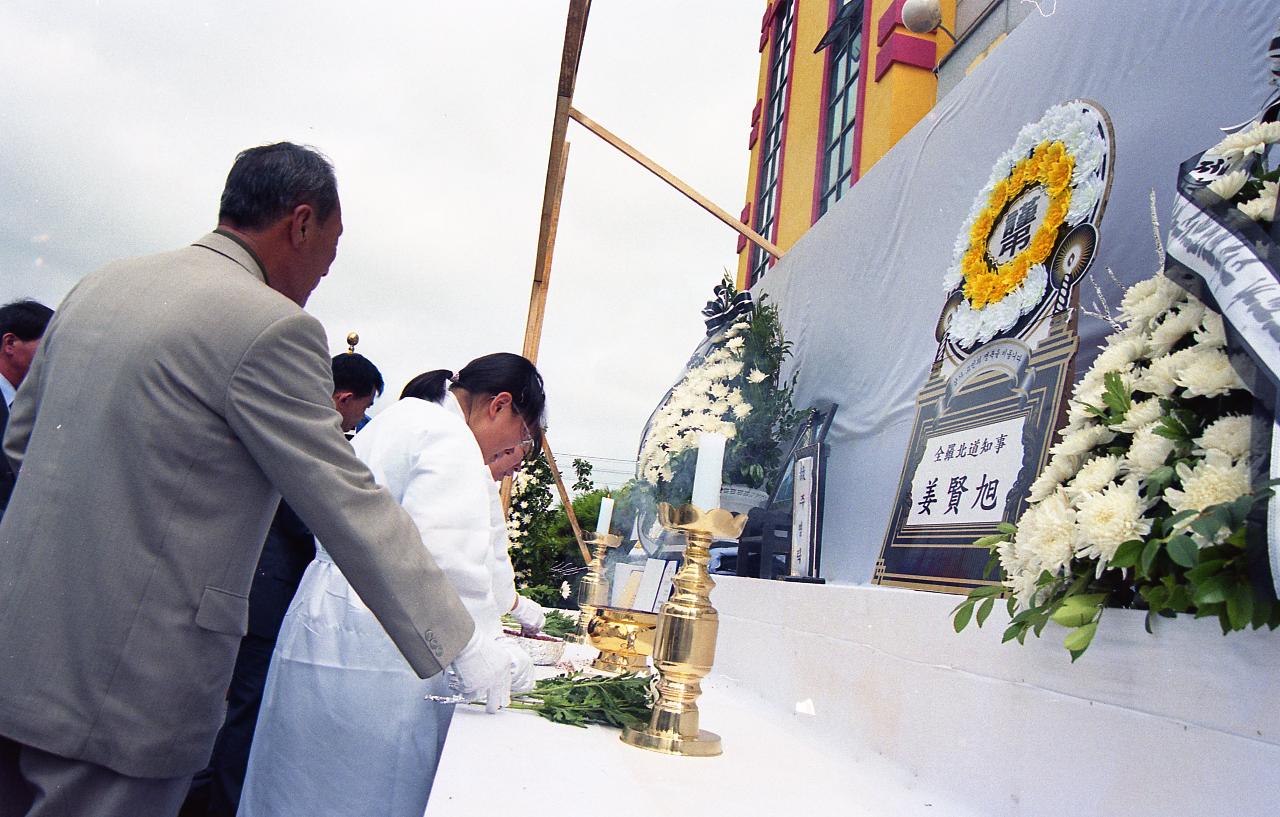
(705, 744)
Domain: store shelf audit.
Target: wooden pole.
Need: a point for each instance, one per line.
(662, 173)
(553, 188)
(542, 272)
(564, 500)
(557, 162)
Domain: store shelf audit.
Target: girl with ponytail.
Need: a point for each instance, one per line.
(344, 727)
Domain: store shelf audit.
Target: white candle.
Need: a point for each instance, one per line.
(706, 478)
(606, 515)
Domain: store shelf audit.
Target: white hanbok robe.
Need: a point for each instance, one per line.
(504, 575)
(344, 729)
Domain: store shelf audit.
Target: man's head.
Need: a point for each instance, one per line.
(22, 325)
(356, 383)
(282, 200)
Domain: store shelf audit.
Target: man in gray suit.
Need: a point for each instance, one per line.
(174, 399)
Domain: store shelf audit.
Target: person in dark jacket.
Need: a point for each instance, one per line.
(22, 325)
(289, 548)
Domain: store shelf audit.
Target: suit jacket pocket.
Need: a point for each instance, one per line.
(223, 612)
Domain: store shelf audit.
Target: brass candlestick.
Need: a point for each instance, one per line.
(623, 637)
(593, 590)
(685, 645)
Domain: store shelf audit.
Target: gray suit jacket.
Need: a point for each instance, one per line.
(173, 400)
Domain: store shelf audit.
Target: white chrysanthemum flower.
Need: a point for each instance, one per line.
(1078, 414)
(564, 590)
(1088, 189)
(1147, 452)
(1255, 140)
(735, 344)
(719, 391)
(953, 276)
(1090, 388)
(1084, 440)
(1175, 326)
(1259, 208)
(1047, 534)
(1208, 373)
(757, 376)
(1211, 333)
(1231, 435)
(1149, 299)
(1226, 187)
(740, 325)
(1094, 475)
(1214, 480)
(1122, 350)
(1060, 468)
(1109, 518)
(741, 410)
(1140, 413)
(1158, 378)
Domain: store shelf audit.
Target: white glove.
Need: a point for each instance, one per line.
(529, 613)
(482, 672)
(522, 679)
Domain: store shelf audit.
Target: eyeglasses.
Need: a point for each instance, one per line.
(527, 441)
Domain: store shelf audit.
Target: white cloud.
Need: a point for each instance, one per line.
(121, 120)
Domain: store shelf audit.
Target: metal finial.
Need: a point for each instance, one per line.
(353, 338)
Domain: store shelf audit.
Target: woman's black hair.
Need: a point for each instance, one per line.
(490, 375)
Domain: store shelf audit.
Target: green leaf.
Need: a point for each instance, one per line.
(963, 613)
(986, 591)
(991, 541)
(1159, 480)
(1156, 596)
(1183, 550)
(1238, 537)
(984, 610)
(1012, 631)
(1149, 556)
(1211, 591)
(1204, 570)
(1078, 640)
(1240, 605)
(1180, 516)
(1116, 396)
(1078, 610)
(1127, 554)
(1007, 527)
(1207, 526)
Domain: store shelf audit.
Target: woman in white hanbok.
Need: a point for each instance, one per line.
(344, 727)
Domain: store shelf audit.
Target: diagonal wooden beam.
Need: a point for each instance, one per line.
(564, 500)
(662, 173)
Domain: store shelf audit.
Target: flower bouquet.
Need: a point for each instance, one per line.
(1146, 499)
(733, 387)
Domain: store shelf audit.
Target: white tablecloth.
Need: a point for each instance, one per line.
(517, 764)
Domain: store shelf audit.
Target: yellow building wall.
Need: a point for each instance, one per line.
(889, 108)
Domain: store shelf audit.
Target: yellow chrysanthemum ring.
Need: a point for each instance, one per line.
(1049, 167)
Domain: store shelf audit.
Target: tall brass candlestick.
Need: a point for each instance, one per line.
(685, 645)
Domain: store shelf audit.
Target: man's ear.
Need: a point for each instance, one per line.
(302, 223)
(342, 398)
(7, 341)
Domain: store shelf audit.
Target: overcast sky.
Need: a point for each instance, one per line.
(119, 121)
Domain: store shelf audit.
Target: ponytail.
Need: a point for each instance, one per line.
(428, 385)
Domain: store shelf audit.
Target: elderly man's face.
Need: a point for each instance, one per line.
(319, 251)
